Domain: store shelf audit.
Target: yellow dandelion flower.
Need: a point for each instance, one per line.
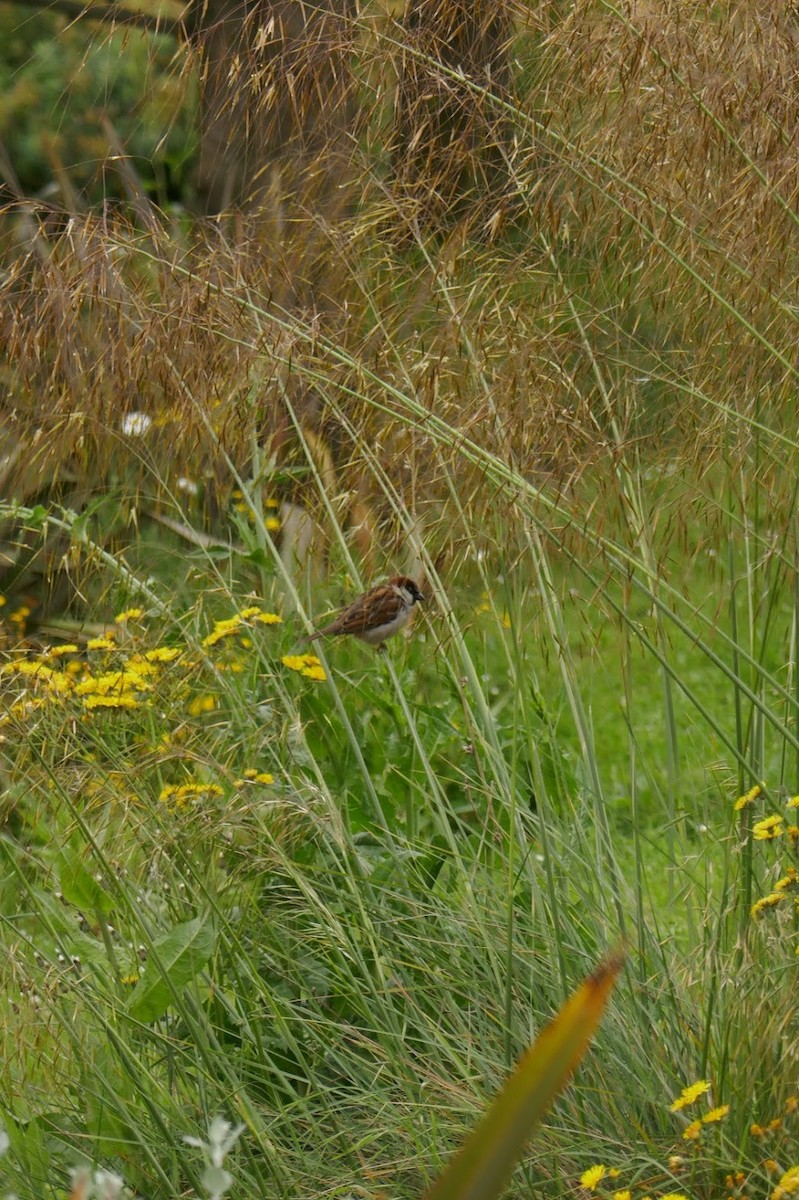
(268, 618)
(793, 802)
(593, 1176)
(295, 662)
(306, 664)
(689, 1094)
(60, 682)
(2, 600)
(222, 629)
(787, 881)
(252, 775)
(792, 1105)
(247, 613)
(768, 828)
(272, 502)
(60, 651)
(757, 1131)
(674, 1196)
(716, 1114)
(625, 1195)
(748, 797)
(139, 667)
(26, 666)
(693, 1132)
(101, 643)
(181, 794)
(676, 1162)
(793, 833)
(129, 980)
(110, 682)
(771, 1165)
(201, 704)
(39, 672)
(774, 1125)
(770, 901)
(128, 614)
(121, 700)
(19, 616)
(788, 1185)
(162, 654)
(272, 524)
(614, 1173)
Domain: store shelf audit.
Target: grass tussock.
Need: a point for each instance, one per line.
(292, 917)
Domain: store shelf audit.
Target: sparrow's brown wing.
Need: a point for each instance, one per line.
(374, 608)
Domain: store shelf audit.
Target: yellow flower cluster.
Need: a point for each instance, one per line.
(689, 1094)
(231, 626)
(204, 703)
(306, 664)
(118, 689)
(271, 521)
(769, 828)
(788, 1185)
(592, 1178)
(486, 607)
(57, 682)
(251, 775)
(130, 614)
(257, 777)
(180, 795)
(693, 1131)
(782, 891)
(104, 642)
(748, 797)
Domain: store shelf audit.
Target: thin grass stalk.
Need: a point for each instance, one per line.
(604, 846)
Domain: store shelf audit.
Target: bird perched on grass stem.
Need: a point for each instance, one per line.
(377, 614)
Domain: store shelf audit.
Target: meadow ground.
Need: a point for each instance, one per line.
(332, 898)
(277, 924)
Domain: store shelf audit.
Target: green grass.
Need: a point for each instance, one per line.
(454, 833)
(579, 432)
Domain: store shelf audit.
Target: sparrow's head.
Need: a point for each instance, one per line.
(409, 586)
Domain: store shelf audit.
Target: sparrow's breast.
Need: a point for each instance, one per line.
(379, 633)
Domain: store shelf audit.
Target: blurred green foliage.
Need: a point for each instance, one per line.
(61, 79)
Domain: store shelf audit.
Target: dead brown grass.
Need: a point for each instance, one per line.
(619, 291)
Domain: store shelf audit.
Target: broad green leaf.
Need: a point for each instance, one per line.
(174, 961)
(80, 888)
(480, 1169)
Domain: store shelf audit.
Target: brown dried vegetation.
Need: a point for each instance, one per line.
(571, 244)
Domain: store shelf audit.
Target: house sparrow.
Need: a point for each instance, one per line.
(376, 614)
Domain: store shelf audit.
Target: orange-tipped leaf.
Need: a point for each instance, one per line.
(482, 1166)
